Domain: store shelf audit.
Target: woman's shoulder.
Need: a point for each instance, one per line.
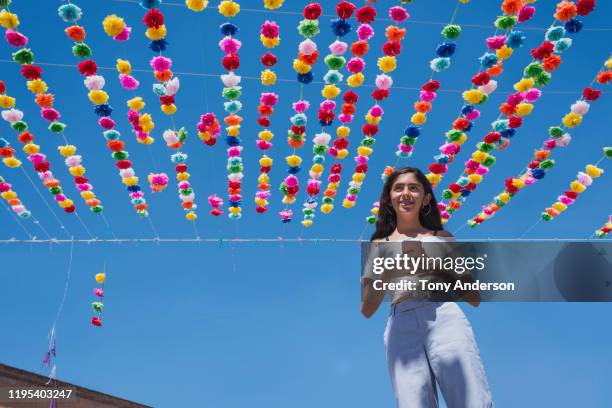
(444, 233)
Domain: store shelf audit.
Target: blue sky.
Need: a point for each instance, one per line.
(256, 324)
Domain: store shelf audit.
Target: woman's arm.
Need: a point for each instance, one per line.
(370, 298)
(470, 296)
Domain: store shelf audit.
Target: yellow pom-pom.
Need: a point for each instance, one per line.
(326, 208)
(11, 162)
(333, 186)
(136, 103)
(348, 204)
(156, 33)
(330, 91)
(317, 168)
(301, 67)
(169, 109)
(87, 195)
(518, 183)
(373, 119)
(559, 206)
(572, 120)
(261, 201)
(8, 20)
(113, 25)
(364, 151)
(524, 109)
(265, 135)
(77, 171)
(576, 187)
(273, 4)
(355, 80)
(524, 84)
(265, 161)
(434, 178)
(6, 101)
(307, 223)
(342, 154)
(461, 139)
(233, 130)
(196, 5)
(418, 118)
(263, 178)
(123, 66)
(235, 210)
(504, 197)
(37, 86)
(387, 63)
(343, 131)
(504, 52)
(269, 42)
(130, 181)
(191, 216)
(184, 176)
(66, 203)
(293, 160)
(358, 177)
(473, 96)
(98, 97)
(475, 178)
(479, 156)
(229, 8)
(268, 77)
(375, 210)
(593, 171)
(609, 63)
(100, 278)
(146, 141)
(67, 150)
(31, 148)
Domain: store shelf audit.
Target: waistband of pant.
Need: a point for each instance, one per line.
(408, 305)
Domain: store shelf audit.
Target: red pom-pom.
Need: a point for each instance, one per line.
(591, 94)
(293, 190)
(31, 72)
(234, 184)
(216, 212)
(298, 130)
(492, 137)
(534, 164)
(515, 122)
(42, 166)
(25, 137)
(313, 190)
(167, 99)
(360, 48)
(481, 79)
(380, 94)
(344, 9)
(231, 62)
(431, 86)
(309, 59)
(571, 194)
(88, 67)
(369, 129)
(2, 87)
(361, 168)
(312, 11)
(153, 18)
(326, 116)
(115, 145)
(543, 51)
(80, 180)
(348, 109)
(265, 169)
(366, 14)
(604, 77)
(260, 209)
(507, 109)
(350, 97)
(470, 187)
(265, 110)
(268, 59)
(336, 168)
(584, 7)
(392, 48)
(438, 168)
(263, 121)
(461, 124)
(455, 188)
(123, 164)
(341, 143)
(70, 209)
(96, 321)
(210, 142)
(180, 168)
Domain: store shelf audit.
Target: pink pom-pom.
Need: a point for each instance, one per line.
(124, 35)
(4, 187)
(60, 198)
(383, 81)
(532, 95)
(580, 108)
(263, 145)
(73, 161)
(98, 292)
(268, 99)
(50, 114)
(84, 187)
(442, 206)
(405, 149)
(515, 98)
(351, 197)
(45, 175)
(482, 170)
(565, 200)
(376, 111)
(286, 214)
(16, 39)
(328, 105)
(262, 194)
(472, 164)
(345, 118)
(307, 47)
(584, 179)
(355, 65)
(133, 116)
(338, 47)
(160, 63)
(489, 87)
(550, 144)
(496, 42)
(37, 158)
(128, 82)
(234, 151)
(563, 141)
(106, 123)
(137, 194)
(448, 149)
(526, 13)
(398, 14)
(445, 215)
(291, 181)
(365, 32)
(183, 185)
(269, 29)
(229, 45)
(473, 115)
(361, 159)
(427, 96)
(301, 106)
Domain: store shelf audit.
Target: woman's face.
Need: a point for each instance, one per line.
(408, 194)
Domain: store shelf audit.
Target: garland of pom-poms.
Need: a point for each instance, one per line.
(518, 104)
(115, 27)
(383, 82)
(542, 162)
(97, 305)
(127, 81)
(232, 92)
(307, 57)
(8, 194)
(216, 203)
(208, 128)
(335, 61)
(175, 139)
(142, 124)
(270, 38)
(605, 229)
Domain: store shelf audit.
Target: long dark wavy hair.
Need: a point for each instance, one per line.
(387, 220)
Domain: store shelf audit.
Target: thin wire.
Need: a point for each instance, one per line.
(83, 224)
(39, 224)
(108, 226)
(153, 228)
(61, 306)
(529, 229)
(18, 221)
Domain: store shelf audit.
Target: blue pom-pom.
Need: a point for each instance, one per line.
(446, 49)
(318, 158)
(508, 133)
(465, 193)
(500, 125)
(70, 13)
(468, 127)
(562, 45)
(294, 170)
(310, 200)
(133, 188)
(103, 110)
(441, 158)
(235, 203)
(573, 26)
(538, 173)
(285, 221)
(555, 33)
(232, 141)
(111, 134)
(515, 39)
(439, 64)
(332, 77)
(149, 4)
(228, 29)
(412, 131)
(158, 45)
(467, 108)
(488, 60)
(305, 78)
(340, 27)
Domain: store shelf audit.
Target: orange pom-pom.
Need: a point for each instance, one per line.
(454, 204)
(422, 106)
(511, 7)
(552, 212)
(75, 33)
(330, 193)
(163, 76)
(187, 205)
(52, 183)
(44, 100)
(496, 69)
(232, 120)
(551, 63)
(566, 10)
(507, 109)
(295, 143)
(394, 33)
(604, 77)
(309, 59)
(14, 201)
(360, 48)
(542, 154)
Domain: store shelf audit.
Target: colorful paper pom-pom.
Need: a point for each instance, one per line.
(113, 25)
(196, 5)
(70, 13)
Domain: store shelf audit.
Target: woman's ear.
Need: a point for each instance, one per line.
(427, 199)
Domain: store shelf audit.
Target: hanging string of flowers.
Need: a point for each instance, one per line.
(209, 128)
(386, 64)
(339, 150)
(10, 196)
(115, 27)
(537, 74)
(542, 162)
(270, 38)
(97, 305)
(142, 124)
(605, 229)
(307, 57)
(232, 92)
(335, 61)
(10, 115)
(71, 13)
(216, 203)
(124, 68)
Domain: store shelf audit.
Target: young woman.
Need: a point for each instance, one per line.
(426, 342)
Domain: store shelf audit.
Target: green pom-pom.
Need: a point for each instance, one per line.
(122, 155)
(499, 202)
(334, 62)
(447, 194)
(472, 223)
(294, 136)
(453, 135)
(543, 79)
(55, 190)
(231, 93)
(505, 22)
(283, 189)
(450, 210)
(489, 161)
(547, 164)
(19, 126)
(5, 3)
(608, 152)
(484, 99)
(371, 219)
(555, 132)
(410, 140)
(328, 200)
(24, 56)
(533, 70)
(319, 149)
(485, 147)
(308, 28)
(97, 209)
(600, 233)
(81, 50)
(354, 190)
(182, 135)
(308, 211)
(451, 32)
(97, 306)
(186, 191)
(546, 216)
(57, 127)
(368, 141)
